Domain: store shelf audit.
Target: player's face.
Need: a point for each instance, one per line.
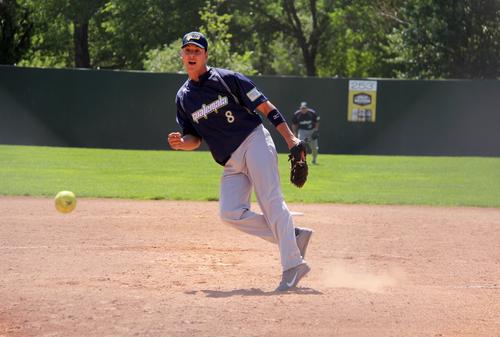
(194, 59)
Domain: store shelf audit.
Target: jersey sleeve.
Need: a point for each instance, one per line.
(183, 120)
(316, 116)
(295, 119)
(250, 96)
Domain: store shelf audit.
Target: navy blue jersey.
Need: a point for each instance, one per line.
(305, 121)
(206, 109)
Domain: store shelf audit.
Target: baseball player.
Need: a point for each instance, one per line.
(219, 106)
(305, 126)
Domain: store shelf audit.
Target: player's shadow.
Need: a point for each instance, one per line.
(256, 292)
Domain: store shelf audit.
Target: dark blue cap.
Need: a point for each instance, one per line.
(196, 38)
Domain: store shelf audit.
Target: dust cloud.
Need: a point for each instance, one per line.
(338, 275)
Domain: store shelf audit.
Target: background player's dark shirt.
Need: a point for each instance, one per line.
(207, 110)
(305, 121)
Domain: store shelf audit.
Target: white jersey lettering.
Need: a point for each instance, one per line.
(209, 108)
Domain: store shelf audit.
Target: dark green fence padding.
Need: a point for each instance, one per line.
(136, 110)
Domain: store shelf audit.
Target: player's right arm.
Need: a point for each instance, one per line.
(187, 142)
(189, 139)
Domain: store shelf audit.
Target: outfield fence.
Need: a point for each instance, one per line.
(136, 110)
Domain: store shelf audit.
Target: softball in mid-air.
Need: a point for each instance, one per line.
(65, 201)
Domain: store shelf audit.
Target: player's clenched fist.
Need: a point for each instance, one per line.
(175, 140)
(186, 142)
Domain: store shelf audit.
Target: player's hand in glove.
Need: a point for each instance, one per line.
(298, 163)
(315, 134)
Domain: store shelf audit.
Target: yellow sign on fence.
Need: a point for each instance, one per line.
(362, 101)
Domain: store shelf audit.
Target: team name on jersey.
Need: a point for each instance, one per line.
(209, 108)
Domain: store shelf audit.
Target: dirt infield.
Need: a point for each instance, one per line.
(163, 268)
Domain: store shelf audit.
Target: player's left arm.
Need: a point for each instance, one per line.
(316, 120)
(253, 99)
(267, 107)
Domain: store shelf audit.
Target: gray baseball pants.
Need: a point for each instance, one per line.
(255, 164)
(313, 143)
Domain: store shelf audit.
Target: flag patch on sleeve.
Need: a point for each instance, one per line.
(253, 94)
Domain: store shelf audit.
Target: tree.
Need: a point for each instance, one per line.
(284, 27)
(215, 28)
(356, 42)
(62, 31)
(15, 31)
(80, 14)
(449, 39)
(126, 30)
(165, 59)
(105, 33)
(350, 38)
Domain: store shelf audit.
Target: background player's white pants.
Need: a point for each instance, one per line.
(255, 163)
(313, 143)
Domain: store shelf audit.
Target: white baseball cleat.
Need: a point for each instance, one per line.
(292, 276)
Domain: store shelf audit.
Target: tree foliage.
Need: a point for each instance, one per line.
(61, 32)
(215, 28)
(127, 30)
(15, 31)
(363, 38)
(450, 39)
(357, 44)
(288, 26)
(105, 34)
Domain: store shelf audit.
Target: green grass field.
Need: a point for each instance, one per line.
(177, 175)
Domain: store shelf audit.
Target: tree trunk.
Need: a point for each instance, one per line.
(309, 61)
(15, 31)
(81, 42)
(308, 44)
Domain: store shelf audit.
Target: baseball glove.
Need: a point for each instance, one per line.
(298, 163)
(315, 134)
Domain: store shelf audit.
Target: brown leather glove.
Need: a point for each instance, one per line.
(298, 163)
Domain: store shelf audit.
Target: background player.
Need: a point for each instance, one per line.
(218, 106)
(305, 125)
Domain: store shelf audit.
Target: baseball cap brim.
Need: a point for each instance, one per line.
(193, 43)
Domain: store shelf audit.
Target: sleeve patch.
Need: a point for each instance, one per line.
(253, 94)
